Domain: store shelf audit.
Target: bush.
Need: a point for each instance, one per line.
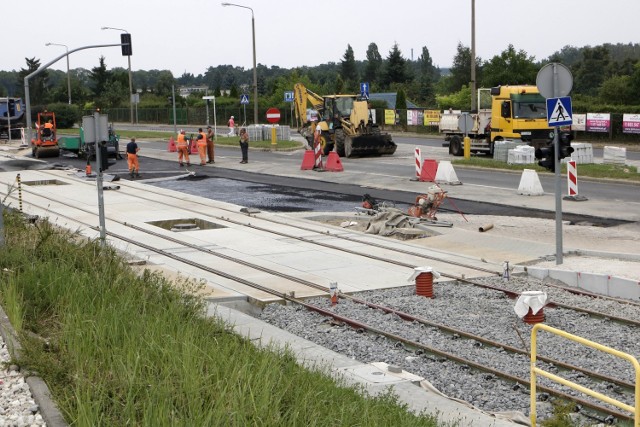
(66, 115)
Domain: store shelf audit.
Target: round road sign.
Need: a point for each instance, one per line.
(273, 115)
(545, 80)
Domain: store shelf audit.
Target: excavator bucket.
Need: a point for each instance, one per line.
(369, 145)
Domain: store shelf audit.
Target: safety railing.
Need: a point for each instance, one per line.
(537, 371)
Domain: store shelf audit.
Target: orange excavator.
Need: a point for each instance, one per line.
(45, 143)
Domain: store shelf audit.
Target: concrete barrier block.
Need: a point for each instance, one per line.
(593, 282)
(538, 273)
(568, 277)
(624, 288)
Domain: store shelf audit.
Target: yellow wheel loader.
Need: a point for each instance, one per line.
(345, 122)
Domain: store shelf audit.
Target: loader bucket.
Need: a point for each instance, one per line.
(369, 145)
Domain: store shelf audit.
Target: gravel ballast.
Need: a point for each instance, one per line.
(482, 312)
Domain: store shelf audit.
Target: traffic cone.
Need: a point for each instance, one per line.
(172, 146)
(308, 160)
(194, 147)
(87, 169)
(333, 163)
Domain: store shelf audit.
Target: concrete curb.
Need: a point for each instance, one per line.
(39, 389)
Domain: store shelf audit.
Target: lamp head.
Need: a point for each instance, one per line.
(48, 44)
(225, 4)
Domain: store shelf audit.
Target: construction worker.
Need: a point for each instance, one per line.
(48, 130)
(132, 158)
(183, 148)
(202, 146)
(211, 149)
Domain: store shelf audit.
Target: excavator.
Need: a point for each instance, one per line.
(45, 143)
(345, 124)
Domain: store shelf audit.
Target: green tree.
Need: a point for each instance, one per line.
(510, 67)
(589, 73)
(348, 68)
(460, 100)
(373, 65)
(396, 71)
(163, 83)
(428, 76)
(401, 107)
(37, 84)
(461, 70)
(615, 90)
(100, 78)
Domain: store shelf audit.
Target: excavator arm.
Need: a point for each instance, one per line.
(302, 97)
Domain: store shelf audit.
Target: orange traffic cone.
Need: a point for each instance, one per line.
(172, 146)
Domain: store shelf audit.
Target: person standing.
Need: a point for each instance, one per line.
(244, 145)
(183, 148)
(202, 146)
(232, 125)
(132, 158)
(211, 149)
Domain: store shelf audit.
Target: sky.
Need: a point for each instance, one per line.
(191, 35)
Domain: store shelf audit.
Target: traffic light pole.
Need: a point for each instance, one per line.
(558, 165)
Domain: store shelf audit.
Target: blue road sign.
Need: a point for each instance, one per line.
(559, 111)
(288, 96)
(364, 90)
(244, 99)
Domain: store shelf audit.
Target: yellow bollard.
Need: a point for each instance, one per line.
(467, 147)
(273, 138)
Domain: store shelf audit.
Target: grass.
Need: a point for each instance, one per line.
(164, 136)
(118, 348)
(629, 173)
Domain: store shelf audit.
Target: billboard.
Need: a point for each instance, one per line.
(389, 117)
(579, 122)
(631, 123)
(431, 117)
(598, 122)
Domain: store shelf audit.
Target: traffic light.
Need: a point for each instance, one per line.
(125, 40)
(104, 156)
(565, 145)
(545, 156)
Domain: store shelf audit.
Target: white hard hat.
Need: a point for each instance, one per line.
(232, 117)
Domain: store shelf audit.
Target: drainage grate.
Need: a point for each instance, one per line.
(186, 224)
(44, 182)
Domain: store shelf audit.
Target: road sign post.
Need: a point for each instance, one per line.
(273, 116)
(555, 81)
(364, 90)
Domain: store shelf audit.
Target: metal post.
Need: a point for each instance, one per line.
(206, 104)
(215, 128)
(130, 90)
(96, 125)
(557, 163)
(68, 75)
(173, 98)
(474, 106)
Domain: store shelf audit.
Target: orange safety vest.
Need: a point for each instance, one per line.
(182, 140)
(203, 141)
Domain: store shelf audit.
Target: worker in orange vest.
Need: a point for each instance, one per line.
(183, 148)
(202, 146)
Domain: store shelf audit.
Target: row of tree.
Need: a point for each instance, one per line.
(608, 74)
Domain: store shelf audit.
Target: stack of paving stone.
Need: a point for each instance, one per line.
(501, 148)
(614, 155)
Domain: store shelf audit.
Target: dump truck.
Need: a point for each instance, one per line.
(12, 117)
(509, 113)
(345, 123)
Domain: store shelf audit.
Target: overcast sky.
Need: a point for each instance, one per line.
(191, 35)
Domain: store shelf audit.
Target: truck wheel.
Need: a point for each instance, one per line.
(455, 146)
(348, 146)
(340, 137)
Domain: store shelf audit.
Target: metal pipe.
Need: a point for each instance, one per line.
(485, 227)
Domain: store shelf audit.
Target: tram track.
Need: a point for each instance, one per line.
(354, 322)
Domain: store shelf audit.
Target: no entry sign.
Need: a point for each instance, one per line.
(273, 115)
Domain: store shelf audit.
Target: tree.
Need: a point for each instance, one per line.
(37, 84)
(396, 71)
(348, 68)
(589, 73)
(100, 77)
(615, 90)
(461, 70)
(427, 79)
(401, 107)
(510, 67)
(374, 64)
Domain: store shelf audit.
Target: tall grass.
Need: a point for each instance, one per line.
(128, 349)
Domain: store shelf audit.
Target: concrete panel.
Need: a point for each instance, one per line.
(624, 288)
(592, 282)
(538, 273)
(565, 276)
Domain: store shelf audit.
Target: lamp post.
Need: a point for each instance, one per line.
(130, 79)
(68, 75)
(255, 71)
(474, 105)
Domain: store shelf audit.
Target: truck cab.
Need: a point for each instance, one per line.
(519, 112)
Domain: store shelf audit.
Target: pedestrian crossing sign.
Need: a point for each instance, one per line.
(244, 99)
(559, 111)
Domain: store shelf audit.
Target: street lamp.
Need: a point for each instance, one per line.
(68, 75)
(130, 80)
(255, 72)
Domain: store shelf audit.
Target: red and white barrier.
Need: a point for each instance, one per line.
(418, 162)
(317, 149)
(572, 182)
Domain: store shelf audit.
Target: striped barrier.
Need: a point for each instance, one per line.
(317, 150)
(572, 183)
(418, 156)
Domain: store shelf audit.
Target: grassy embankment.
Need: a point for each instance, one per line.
(118, 348)
(231, 141)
